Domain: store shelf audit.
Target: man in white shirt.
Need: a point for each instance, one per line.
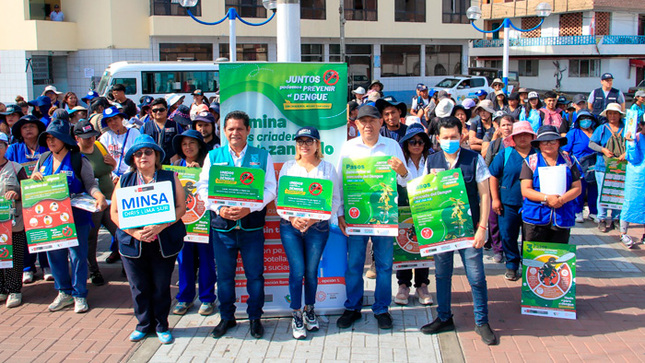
(56, 15)
(370, 143)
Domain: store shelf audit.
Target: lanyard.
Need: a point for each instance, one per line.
(118, 166)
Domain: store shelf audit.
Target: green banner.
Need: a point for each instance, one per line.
(406, 245)
(197, 218)
(6, 243)
(441, 212)
(369, 191)
(47, 212)
(280, 98)
(612, 192)
(549, 280)
(304, 197)
(236, 187)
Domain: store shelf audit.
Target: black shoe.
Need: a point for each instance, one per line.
(487, 334)
(602, 227)
(97, 279)
(348, 318)
(438, 326)
(113, 257)
(384, 320)
(257, 330)
(511, 275)
(222, 327)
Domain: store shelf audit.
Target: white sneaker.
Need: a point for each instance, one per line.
(14, 300)
(298, 325)
(424, 296)
(402, 295)
(80, 305)
(594, 218)
(27, 277)
(62, 300)
(627, 241)
(579, 218)
(47, 274)
(311, 321)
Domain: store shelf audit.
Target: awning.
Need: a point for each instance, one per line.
(638, 63)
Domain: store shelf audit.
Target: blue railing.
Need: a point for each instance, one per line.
(531, 42)
(624, 39)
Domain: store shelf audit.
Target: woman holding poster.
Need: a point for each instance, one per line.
(11, 173)
(192, 150)
(304, 239)
(149, 252)
(64, 157)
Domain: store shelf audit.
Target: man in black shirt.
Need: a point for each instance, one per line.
(129, 108)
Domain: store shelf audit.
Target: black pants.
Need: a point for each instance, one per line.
(98, 219)
(149, 277)
(420, 277)
(11, 278)
(548, 233)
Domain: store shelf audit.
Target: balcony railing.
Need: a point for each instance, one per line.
(572, 40)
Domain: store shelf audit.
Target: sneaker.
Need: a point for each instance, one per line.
(113, 257)
(47, 274)
(487, 334)
(348, 318)
(643, 239)
(164, 337)
(311, 321)
(594, 218)
(27, 277)
(579, 218)
(498, 257)
(62, 300)
(298, 325)
(438, 326)
(14, 300)
(402, 295)
(3, 297)
(384, 320)
(97, 279)
(182, 308)
(511, 275)
(80, 305)
(627, 241)
(602, 226)
(136, 336)
(371, 273)
(424, 296)
(206, 308)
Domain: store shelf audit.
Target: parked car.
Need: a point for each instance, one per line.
(462, 87)
(492, 73)
(632, 90)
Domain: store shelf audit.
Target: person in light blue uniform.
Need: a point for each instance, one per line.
(634, 205)
(64, 157)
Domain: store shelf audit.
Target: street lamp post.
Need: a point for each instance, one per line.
(474, 13)
(231, 15)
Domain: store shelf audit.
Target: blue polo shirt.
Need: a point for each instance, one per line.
(577, 144)
(20, 154)
(509, 175)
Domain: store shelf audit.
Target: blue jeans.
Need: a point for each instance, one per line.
(76, 284)
(472, 259)
(303, 251)
(192, 257)
(250, 245)
(383, 256)
(509, 229)
(590, 194)
(602, 212)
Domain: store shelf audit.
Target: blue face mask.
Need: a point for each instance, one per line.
(586, 123)
(449, 146)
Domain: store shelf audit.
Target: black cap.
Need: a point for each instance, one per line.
(368, 110)
(84, 129)
(352, 105)
(514, 96)
(308, 131)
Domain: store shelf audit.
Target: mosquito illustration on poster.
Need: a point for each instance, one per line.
(554, 277)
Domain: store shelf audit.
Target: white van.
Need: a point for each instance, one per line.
(157, 79)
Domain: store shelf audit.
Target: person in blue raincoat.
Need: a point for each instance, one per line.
(634, 204)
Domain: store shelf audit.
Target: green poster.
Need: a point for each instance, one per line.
(6, 243)
(47, 212)
(280, 98)
(236, 187)
(197, 219)
(304, 197)
(549, 280)
(369, 191)
(612, 193)
(441, 212)
(406, 246)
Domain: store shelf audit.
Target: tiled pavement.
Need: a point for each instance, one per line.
(610, 324)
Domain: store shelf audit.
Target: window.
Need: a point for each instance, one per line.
(334, 53)
(570, 24)
(129, 83)
(41, 69)
(400, 60)
(454, 11)
(312, 9)
(169, 7)
(584, 68)
(531, 22)
(410, 10)
(494, 64)
(528, 67)
(602, 22)
(361, 10)
(246, 52)
(477, 82)
(185, 52)
(178, 82)
(311, 52)
(247, 8)
(443, 59)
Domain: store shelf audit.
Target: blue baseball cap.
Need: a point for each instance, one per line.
(480, 93)
(606, 76)
(308, 131)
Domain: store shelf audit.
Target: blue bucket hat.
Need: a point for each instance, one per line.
(15, 129)
(41, 101)
(182, 115)
(89, 97)
(111, 112)
(193, 134)
(143, 141)
(413, 130)
(548, 133)
(59, 128)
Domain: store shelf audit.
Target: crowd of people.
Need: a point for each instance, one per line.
(502, 145)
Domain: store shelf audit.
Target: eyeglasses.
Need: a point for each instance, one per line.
(306, 141)
(416, 142)
(140, 153)
(155, 110)
(551, 142)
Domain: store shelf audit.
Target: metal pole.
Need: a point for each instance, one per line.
(505, 55)
(341, 11)
(288, 30)
(232, 41)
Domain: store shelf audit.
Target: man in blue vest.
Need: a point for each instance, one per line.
(600, 97)
(237, 229)
(476, 177)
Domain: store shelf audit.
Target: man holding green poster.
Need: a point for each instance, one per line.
(476, 175)
(238, 229)
(369, 144)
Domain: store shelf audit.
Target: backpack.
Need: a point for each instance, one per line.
(75, 158)
(615, 144)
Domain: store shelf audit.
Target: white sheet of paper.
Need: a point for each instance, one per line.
(553, 179)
